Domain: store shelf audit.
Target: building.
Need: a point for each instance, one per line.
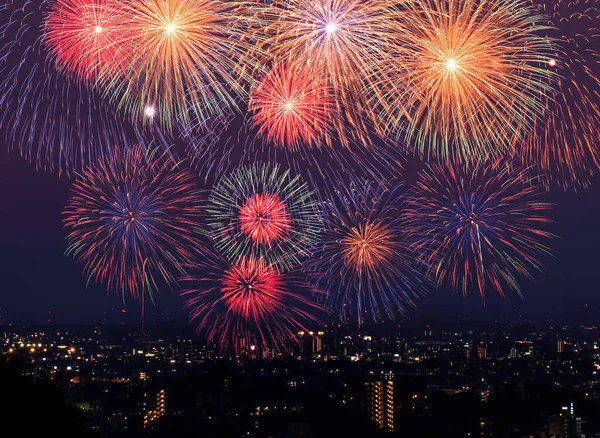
(560, 346)
(481, 352)
(566, 424)
(159, 410)
(318, 342)
(312, 342)
(381, 404)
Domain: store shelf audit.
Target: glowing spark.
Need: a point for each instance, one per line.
(451, 64)
(187, 57)
(149, 111)
(98, 29)
(330, 28)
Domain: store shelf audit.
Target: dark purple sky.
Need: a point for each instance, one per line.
(36, 276)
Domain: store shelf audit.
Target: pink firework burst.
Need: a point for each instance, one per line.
(248, 303)
(264, 218)
(86, 36)
(292, 108)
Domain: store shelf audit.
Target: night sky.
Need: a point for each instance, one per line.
(36, 276)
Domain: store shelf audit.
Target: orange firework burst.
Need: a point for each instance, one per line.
(365, 259)
(187, 61)
(264, 218)
(565, 144)
(84, 35)
(291, 107)
(340, 40)
(465, 74)
(367, 246)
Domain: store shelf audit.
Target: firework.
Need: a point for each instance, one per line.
(52, 121)
(84, 35)
(464, 75)
(341, 40)
(483, 225)
(365, 261)
(133, 219)
(291, 108)
(247, 303)
(565, 144)
(189, 60)
(263, 211)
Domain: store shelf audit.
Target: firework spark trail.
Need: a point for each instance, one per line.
(133, 219)
(54, 121)
(465, 76)
(365, 261)
(565, 144)
(483, 225)
(264, 211)
(235, 303)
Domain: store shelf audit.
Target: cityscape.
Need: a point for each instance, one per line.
(452, 380)
(300, 218)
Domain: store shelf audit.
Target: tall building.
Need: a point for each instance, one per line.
(318, 342)
(567, 424)
(560, 346)
(381, 404)
(481, 352)
(159, 410)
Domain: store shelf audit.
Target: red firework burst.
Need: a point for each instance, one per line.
(248, 303)
(84, 36)
(252, 288)
(264, 218)
(291, 107)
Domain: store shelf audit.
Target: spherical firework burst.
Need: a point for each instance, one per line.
(365, 261)
(247, 303)
(484, 226)
(263, 211)
(292, 108)
(264, 218)
(85, 35)
(464, 75)
(341, 41)
(565, 144)
(133, 219)
(189, 59)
